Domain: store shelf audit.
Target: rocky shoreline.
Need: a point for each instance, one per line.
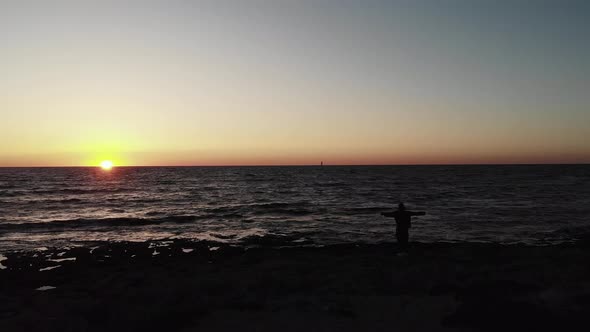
(195, 286)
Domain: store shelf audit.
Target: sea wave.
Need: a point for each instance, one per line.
(282, 208)
(574, 232)
(80, 191)
(99, 222)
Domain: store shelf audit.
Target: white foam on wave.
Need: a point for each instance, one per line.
(226, 236)
(49, 268)
(2, 258)
(186, 251)
(63, 259)
(160, 244)
(213, 248)
(44, 288)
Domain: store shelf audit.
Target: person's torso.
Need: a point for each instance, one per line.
(403, 219)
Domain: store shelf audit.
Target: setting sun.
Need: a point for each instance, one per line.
(106, 164)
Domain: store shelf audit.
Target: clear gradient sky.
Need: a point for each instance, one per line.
(294, 82)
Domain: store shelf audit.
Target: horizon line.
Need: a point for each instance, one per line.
(305, 165)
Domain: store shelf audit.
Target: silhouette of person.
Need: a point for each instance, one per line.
(403, 222)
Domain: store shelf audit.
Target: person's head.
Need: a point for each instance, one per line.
(401, 207)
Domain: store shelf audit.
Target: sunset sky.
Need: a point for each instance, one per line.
(294, 82)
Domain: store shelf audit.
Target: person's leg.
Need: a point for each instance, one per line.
(403, 239)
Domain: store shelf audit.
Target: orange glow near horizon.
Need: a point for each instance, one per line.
(273, 157)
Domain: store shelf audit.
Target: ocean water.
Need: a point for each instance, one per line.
(292, 206)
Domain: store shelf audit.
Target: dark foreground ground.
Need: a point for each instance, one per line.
(459, 287)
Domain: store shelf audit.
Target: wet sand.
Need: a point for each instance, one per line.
(169, 287)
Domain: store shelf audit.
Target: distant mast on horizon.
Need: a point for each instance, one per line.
(322, 163)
